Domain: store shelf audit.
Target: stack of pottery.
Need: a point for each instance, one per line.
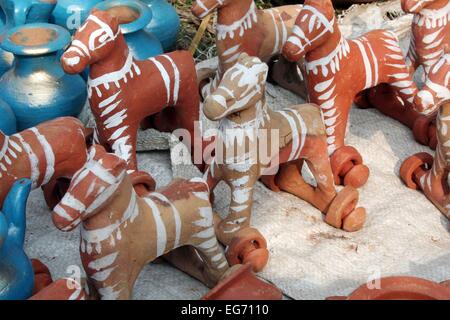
(71, 14)
(133, 17)
(36, 87)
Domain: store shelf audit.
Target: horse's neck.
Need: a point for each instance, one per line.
(435, 10)
(253, 117)
(437, 5)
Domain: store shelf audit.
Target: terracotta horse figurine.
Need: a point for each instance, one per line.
(337, 69)
(430, 32)
(48, 154)
(122, 232)
(242, 27)
(420, 171)
(290, 137)
(124, 92)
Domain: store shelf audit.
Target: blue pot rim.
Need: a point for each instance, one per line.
(60, 42)
(145, 13)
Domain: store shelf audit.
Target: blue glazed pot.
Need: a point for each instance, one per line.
(36, 87)
(142, 43)
(71, 14)
(16, 270)
(165, 23)
(19, 12)
(8, 122)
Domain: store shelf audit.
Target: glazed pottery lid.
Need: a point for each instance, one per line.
(36, 39)
(133, 15)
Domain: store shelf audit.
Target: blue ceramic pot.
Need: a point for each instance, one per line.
(36, 87)
(165, 23)
(71, 14)
(142, 43)
(8, 122)
(16, 270)
(6, 58)
(19, 12)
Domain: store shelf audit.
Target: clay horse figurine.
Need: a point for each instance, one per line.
(242, 27)
(122, 232)
(337, 69)
(16, 271)
(420, 171)
(247, 124)
(48, 154)
(124, 92)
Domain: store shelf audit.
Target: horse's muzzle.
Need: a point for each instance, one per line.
(72, 63)
(65, 218)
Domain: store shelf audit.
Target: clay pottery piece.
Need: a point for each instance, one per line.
(165, 23)
(242, 284)
(8, 121)
(243, 28)
(42, 276)
(62, 289)
(16, 271)
(133, 18)
(402, 288)
(338, 69)
(6, 58)
(125, 92)
(47, 154)
(288, 138)
(71, 14)
(113, 217)
(20, 12)
(36, 88)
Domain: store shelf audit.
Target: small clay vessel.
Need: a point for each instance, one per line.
(134, 17)
(421, 171)
(71, 14)
(36, 88)
(16, 271)
(42, 276)
(123, 91)
(400, 288)
(113, 216)
(263, 140)
(165, 23)
(337, 70)
(242, 27)
(242, 284)
(47, 154)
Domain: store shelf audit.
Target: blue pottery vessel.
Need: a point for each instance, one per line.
(142, 43)
(36, 87)
(19, 12)
(165, 23)
(71, 14)
(7, 119)
(16, 270)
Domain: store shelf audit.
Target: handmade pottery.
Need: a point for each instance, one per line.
(8, 121)
(36, 88)
(123, 91)
(337, 69)
(42, 276)
(71, 14)
(242, 284)
(19, 12)
(165, 23)
(241, 27)
(16, 271)
(113, 217)
(6, 58)
(62, 289)
(400, 288)
(421, 171)
(288, 137)
(133, 18)
(48, 154)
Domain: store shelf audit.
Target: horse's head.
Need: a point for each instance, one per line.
(314, 24)
(202, 8)
(415, 6)
(437, 87)
(93, 41)
(241, 87)
(91, 189)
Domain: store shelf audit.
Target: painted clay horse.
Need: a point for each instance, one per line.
(420, 171)
(47, 154)
(293, 136)
(242, 27)
(124, 92)
(122, 232)
(338, 69)
(430, 32)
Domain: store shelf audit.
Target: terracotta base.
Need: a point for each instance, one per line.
(400, 288)
(242, 284)
(348, 168)
(42, 276)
